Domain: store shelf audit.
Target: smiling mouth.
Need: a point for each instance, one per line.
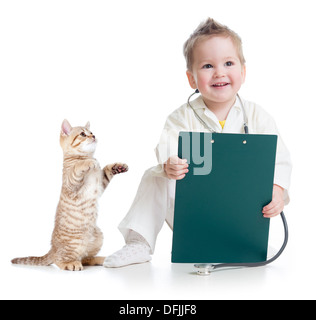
(220, 85)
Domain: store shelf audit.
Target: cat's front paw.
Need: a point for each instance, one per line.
(70, 266)
(89, 165)
(118, 168)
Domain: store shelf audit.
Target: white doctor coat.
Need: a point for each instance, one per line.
(154, 201)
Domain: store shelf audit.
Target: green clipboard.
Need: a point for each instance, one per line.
(218, 205)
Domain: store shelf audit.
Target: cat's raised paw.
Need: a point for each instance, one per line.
(119, 168)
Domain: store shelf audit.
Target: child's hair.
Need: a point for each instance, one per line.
(208, 29)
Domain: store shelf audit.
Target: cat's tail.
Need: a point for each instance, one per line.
(35, 261)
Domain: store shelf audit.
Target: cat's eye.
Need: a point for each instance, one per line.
(83, 134)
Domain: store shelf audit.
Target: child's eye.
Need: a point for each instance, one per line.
(207, 66)
(228, 63)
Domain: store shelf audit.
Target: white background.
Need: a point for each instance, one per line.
(119, 64)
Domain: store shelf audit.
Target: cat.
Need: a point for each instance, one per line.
(76, 240)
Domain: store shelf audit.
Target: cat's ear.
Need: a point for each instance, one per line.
(87, 125)
(66, 128)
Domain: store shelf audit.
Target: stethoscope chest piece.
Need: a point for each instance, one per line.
(204, 269)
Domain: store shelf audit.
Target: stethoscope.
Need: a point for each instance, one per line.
(205, 269)
(204, 123)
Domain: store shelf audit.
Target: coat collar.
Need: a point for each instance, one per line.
(198, 103)
(210, 118)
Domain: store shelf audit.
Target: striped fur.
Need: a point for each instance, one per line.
(76, 239)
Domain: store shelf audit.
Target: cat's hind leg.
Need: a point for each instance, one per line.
(93, 261)
(94, 247)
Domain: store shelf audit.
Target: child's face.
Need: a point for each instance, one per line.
(217, 71)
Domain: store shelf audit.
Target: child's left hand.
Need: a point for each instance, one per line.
(276, 206)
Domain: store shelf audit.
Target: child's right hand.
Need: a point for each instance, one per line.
(176, 168)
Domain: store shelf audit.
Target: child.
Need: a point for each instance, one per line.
(216, 67)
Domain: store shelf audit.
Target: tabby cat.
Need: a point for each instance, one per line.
(76, 239)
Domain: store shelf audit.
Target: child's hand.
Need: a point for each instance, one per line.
(176, 168)
(276, 206)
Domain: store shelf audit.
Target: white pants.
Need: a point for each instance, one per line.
(153, 205)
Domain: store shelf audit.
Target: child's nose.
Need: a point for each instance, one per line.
(219, 72)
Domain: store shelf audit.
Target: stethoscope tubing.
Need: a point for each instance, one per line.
(204, 123)
(207, 268)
